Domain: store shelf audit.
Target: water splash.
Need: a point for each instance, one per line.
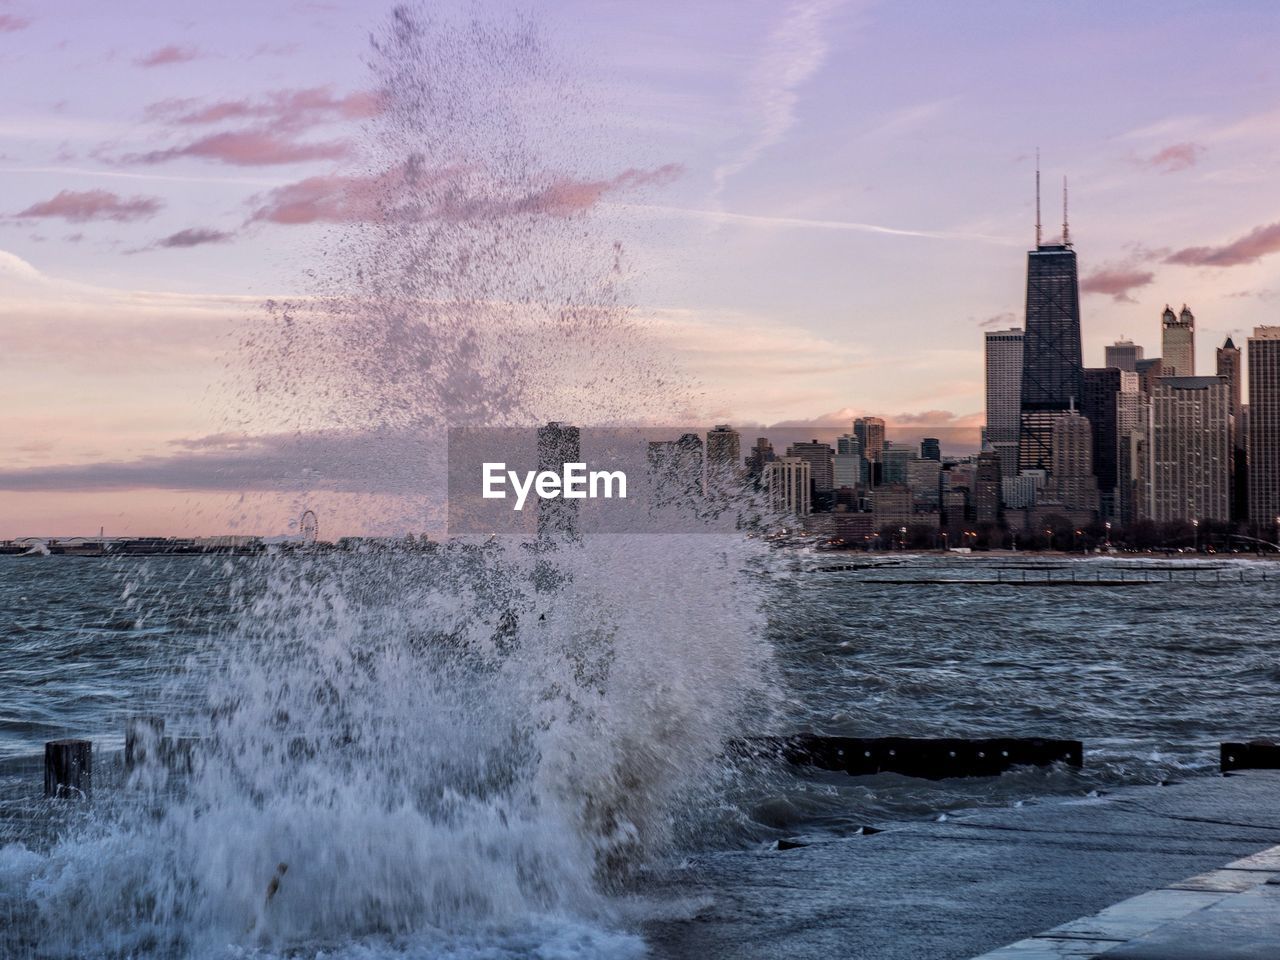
(430, 751)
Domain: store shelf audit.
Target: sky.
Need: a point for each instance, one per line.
(842, 203)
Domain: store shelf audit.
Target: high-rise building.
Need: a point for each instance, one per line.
(1132, 416)
(1229, 366)
(1190, 475)
(1099, 406)
(723, 452)
(1004, 394)
(895, 458)
(1178, 342)
(558, 443)
(821, 464)
(1124, 355)
(849, 467)
(761, 454)
(1228, 357)
(1149, 371)
(869, 432)
(931, 449)
(723, 445)
(788, 482)
(986, 488)
(676, 470)
(923, 482)
(1071, 479)
(892, 506)
(1264, 428)
(1051, 354)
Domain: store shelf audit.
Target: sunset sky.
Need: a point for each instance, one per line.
(842, 204)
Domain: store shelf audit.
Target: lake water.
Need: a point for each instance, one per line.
(1151, 676)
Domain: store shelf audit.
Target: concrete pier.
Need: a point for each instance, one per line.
(1227, 914)
(981, 880)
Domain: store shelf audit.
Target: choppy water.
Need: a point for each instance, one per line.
(1151, 677)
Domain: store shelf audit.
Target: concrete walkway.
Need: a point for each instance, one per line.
(954, 889)
(1227, 914)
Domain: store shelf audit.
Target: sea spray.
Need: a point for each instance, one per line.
(459, 749)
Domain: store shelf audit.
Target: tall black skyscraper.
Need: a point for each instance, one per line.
(1051, 356)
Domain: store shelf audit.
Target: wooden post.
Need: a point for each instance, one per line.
(68, 768)
(142, 739)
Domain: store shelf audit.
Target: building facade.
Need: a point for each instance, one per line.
(1100, 405)
(788, 482)
(1178, 342)
(1123, 355)
(821, 459)
(1004, 394)
(1264, 428)
(1051, 354)
(1190, 473)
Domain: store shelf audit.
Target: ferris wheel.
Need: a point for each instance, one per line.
(309, 526)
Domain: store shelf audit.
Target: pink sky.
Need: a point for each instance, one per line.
(824, 203)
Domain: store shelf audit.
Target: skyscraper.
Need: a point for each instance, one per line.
(870, 433)
(1051, 364)
(1132, 418)
(930, 449)
(986, 489)
(761, 454)
(1178, 342)
(1071, 479)
(558, 443)
(1004, 394)
(723, 445)
(849, 467)
(1228, 366)
(820, 458)
(1264, 428)
(1190, 449)
(723, 450)
(788, 481)
(1124, 355)
(1099, 404)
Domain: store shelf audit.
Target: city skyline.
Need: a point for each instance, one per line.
(778, 255)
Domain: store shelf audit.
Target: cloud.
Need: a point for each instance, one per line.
(9, 23)
(1250, 248)
(287, 109)
(346, 199)
(1117, 282)
(193, 237)
(794, 52)
(167, 55)
(248, 148)
(803, 223)
(1006, 319)
(329, 460)
(79, 206)
(1173, 158)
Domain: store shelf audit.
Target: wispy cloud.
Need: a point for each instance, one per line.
(393, 194)
(803, 223)
(166, 55)
(1117, 282)
(1172, 159)
(11, 23)
(794, 52)
(249, 148)
(1250, 248)
(288, 109)
(80, 206)
(192, 237)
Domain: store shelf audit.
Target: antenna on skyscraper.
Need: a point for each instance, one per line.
(1066, 233)
(1037, 196)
